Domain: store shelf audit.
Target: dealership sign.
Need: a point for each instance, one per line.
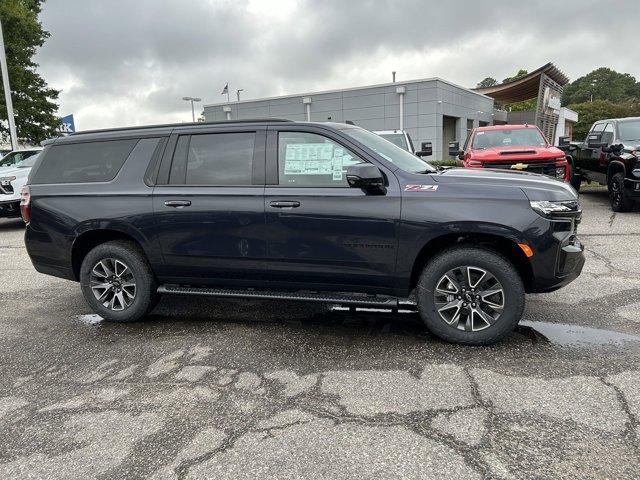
(67, 125)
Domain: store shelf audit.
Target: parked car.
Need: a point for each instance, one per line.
(400, 138)
(11, 182)
(17, 156)
(512, 147)
(295, 211)
(610, 155)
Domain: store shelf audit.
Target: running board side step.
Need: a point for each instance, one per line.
(345, 299)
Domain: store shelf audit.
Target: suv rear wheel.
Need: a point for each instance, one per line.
(117, 282)
(470, 295)
(620, 199)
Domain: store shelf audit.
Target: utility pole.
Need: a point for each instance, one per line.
(7, 93)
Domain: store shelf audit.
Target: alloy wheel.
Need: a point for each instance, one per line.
(616, 193)
(469, 298)
(113, 284)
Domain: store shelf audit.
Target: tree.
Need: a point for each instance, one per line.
(601, 84)
(487, 82)
(33, 101)
(521, 73)
(590, 112)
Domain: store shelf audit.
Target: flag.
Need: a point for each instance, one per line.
(225, 89)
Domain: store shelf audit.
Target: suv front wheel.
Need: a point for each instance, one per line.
(117, 282)
(470, 295)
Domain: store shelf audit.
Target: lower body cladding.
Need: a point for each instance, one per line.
(9, 208)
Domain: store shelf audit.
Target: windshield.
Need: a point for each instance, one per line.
(629, 131)
(396, 138)
(396, 155)
(10, 159)
(29, 162)
(518, 137)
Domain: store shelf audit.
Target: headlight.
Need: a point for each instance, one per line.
(559, 172)
(566, 208)
(6, 180)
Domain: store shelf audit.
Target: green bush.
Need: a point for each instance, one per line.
(443, 163)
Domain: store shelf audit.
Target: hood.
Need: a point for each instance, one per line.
(508, 153)
(535, 187)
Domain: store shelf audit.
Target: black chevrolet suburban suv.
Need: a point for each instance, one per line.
(295, 211)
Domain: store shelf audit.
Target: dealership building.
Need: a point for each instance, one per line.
(430, 110)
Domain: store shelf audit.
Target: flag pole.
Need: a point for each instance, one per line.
(228, 100)
(7, 93)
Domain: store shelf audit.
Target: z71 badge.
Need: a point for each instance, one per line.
(420, 188)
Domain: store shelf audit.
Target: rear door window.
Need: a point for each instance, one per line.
(84, 162)
(217, 159)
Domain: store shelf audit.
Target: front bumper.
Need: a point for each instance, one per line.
(633, 186)
(9, 208)
(559, 257)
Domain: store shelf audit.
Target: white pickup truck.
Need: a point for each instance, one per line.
(12, 179)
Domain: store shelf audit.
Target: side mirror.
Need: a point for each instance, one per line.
(426, 150)
(454, 149)
(564, 141)
(365, 176)
(594, 140)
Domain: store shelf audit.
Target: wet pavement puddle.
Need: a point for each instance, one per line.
(573, 335)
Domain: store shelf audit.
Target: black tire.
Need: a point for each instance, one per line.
(576, 179)
(620, 199)
(145, 294)
(499, 267)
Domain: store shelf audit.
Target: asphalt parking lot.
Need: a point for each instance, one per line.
(244, 389)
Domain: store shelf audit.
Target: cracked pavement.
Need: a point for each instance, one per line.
(207, 388)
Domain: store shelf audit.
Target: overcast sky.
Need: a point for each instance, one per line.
(130, 62)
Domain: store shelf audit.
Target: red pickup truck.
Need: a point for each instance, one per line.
(513, 147)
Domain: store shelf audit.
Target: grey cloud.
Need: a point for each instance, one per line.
(124, 62)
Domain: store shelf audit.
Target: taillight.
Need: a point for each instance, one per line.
(25, 204)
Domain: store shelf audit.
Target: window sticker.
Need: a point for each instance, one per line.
(315, 159)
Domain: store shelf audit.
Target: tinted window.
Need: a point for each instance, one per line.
(84, 162)
(216, 159)
(630, 130)
(310, 160)
(607, 133)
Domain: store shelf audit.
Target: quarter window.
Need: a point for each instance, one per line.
(311, 160)
(84, 162)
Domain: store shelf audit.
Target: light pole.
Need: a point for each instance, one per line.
(238, 93)
(192, 99)
(7, 93)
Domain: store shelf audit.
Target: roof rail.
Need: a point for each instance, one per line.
(186, 124)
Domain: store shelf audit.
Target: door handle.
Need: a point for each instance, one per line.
(177, 203)
(284, 204)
